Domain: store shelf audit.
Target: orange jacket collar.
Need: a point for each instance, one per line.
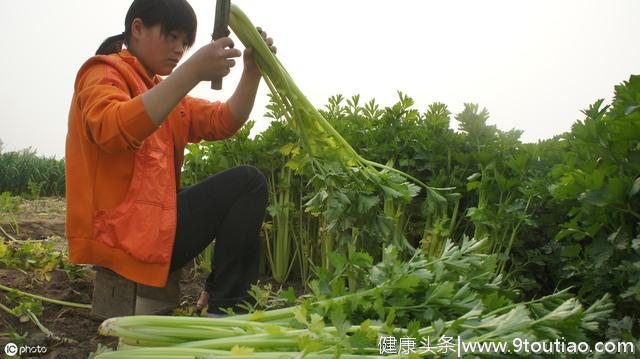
(132, 60)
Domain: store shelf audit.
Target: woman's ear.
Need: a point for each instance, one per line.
(137, 29)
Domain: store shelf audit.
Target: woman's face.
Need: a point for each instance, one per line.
(158, 52)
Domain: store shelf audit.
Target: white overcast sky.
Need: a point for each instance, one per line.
(534, 64)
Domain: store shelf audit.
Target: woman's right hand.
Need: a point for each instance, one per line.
(211, 61)
(214, 60)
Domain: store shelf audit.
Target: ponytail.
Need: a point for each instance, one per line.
(111, 45)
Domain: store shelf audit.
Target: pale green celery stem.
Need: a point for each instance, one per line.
(287, 338)
(425, 232)
(45, 299)
(177, 322)
(326, 240)
(291, 112)
(304, 240)
(170, 352)
(454, 217)
(155, 339)
(46, 331)
(394, 210)
(281, 235)
(175, 353)
(351, 251)
(127, 342)
(479, 232)
(267, 237)
(273, 193)
(285, 313)
(283, 240)
(260, 341)
(7, 309)
(243, 28)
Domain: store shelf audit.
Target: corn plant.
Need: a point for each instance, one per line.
(19, 168)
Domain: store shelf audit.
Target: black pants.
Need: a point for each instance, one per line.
(228, 207)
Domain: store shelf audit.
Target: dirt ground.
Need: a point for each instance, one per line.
(37, 219)
(76, 329)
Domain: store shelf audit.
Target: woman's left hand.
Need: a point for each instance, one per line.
(249, 63)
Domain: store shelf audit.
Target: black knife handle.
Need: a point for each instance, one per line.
(216, 84)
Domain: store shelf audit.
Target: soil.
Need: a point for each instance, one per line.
(75, 330)
(37, 219)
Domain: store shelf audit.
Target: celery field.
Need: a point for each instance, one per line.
(520, 230)
(384, 221)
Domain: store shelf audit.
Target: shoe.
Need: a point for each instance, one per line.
(202, 302)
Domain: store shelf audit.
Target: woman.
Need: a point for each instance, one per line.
(124, 151)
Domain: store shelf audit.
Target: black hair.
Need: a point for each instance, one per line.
(172, 15)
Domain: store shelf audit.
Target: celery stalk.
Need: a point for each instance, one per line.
(317, 135)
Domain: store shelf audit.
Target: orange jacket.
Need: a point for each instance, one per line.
(122, 171)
